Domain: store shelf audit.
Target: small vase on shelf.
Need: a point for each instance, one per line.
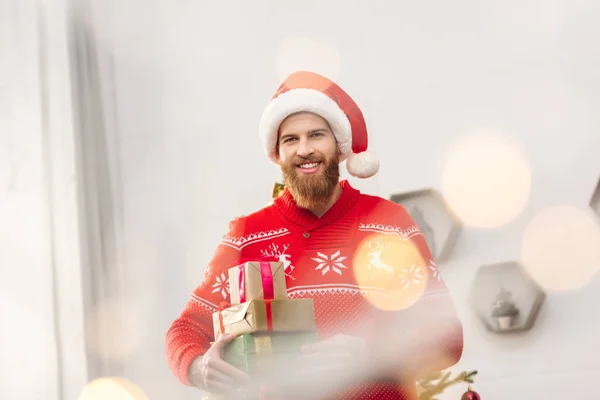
(505, 313)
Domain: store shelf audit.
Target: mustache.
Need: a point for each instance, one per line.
(311, 158)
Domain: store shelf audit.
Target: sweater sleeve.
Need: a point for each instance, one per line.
(190, 335)
(432, 324)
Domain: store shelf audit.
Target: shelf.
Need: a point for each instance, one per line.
(437, 222)
(526, 295)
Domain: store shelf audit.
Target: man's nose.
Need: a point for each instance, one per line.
(305, 149)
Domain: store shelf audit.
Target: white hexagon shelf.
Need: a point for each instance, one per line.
(505, 298)
(595, 203)
(437, 222)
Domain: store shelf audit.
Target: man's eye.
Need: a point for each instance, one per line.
(317, 134)
(288, 140)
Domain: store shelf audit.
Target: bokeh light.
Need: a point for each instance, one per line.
(112, 389)
(393, 264)
(561, 248)
(301, 53)
(21, 338)
(486, 179)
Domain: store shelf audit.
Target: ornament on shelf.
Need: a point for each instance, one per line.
(505, 298)
(470, 395)
(505, 312)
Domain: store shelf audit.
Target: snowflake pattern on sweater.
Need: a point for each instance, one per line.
(333, 262)
(360, 261)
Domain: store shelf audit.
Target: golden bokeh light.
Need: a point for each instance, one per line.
(306, 54)
(486, 179)
(113, 388)
(393, 264)
(561, 248)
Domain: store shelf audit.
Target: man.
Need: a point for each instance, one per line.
(383, 313)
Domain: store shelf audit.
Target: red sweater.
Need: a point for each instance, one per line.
(344, 260)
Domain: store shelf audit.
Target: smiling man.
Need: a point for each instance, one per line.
(383, 313)
(309, 161)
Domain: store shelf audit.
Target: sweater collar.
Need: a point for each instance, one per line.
(303, 217)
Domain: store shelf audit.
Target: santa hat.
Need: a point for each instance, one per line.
(311, 92)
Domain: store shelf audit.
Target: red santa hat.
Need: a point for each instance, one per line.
(311, 92)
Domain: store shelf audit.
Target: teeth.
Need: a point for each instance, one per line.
(311, 165)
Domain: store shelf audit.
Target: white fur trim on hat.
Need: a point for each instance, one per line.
(298, 100)
(362, 165)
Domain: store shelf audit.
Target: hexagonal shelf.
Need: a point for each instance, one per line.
(505, 298)
(437, 222)
(595, 202)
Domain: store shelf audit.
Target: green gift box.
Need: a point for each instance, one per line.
(256, 352)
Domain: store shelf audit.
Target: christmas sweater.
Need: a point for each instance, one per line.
(348, 261)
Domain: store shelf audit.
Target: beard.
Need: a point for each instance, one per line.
(316, 189)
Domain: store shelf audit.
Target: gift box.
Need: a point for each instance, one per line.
(256, 353)
(261, 355)
(265, 316)
(257, 280)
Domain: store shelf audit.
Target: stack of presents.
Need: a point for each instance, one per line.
(269, 324)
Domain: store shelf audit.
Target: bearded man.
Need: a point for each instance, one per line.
(383, 314)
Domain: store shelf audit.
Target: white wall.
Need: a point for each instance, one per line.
(26, 308)
(41, 301)
(192, 78)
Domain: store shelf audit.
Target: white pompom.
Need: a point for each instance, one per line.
(362, 165)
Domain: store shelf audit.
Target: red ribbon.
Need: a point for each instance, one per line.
(242, 283)
(269, 314)
(266, 274)
(268, 290)
(267, 285)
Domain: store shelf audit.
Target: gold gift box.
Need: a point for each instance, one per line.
(249, 317)
(253, 288)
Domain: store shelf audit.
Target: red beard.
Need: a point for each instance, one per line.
(312, 190)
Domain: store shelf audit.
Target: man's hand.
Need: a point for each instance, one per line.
(211, 373)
